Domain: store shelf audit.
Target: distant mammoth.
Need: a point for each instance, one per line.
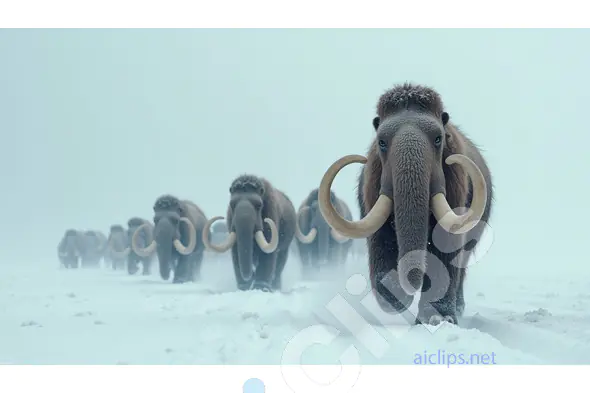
(219, 233)
(317, 242)
(93, 249)
(68, 250)
(176, 223)
(408, 190)
(258, 262)
(145, 236)
(117, 247)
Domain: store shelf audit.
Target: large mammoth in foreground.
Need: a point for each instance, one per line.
(419, 168)
(317, 242)
(117, 247)
(258, 263)
(176, 226)
(145, 236)
(69, 248)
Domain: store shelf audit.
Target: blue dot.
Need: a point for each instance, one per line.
(253, 385)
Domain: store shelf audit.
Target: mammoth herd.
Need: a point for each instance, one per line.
(419, 171)
(180, 234)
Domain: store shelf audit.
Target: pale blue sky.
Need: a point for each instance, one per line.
(96, 124)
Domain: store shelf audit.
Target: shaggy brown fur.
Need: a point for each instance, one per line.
(276, 206)
(169, 209)
(414, 101)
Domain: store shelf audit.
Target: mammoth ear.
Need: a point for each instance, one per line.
(445, 118)
(376, 123)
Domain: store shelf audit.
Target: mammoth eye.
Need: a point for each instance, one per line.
(382, 145)
(257, 204)
(437, 141)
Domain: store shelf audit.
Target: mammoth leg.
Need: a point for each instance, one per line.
(242, 284)
(265, 272)
(183, 269)
(146, 264)
(314, 256)
(305, 256)
(383, 255)
(198, 261)
(460, 299)
(440, 286)
(282, 257)
(132, 267)
(345, 253)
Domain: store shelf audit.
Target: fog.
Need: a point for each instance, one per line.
(97, 124)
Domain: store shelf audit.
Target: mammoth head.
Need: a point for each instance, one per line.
(169, 215)
(310, 212)
(117, 242)
(246, 215)
(71, 233)
(116, 229)
(406, 173)
(219, 227)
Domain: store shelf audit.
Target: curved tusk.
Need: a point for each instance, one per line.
(192, 238)
(363, 228)
(142, 252)
(338, 237)
(443, 213)
(220, 248)
(274, 237)
(310, 237)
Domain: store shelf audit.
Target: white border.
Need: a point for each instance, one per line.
(213, 379)
(316, 13)
(302, 13)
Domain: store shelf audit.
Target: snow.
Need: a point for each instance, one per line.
(50, 315)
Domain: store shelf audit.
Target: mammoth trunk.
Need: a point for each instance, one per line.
(165, 235)
(244, 220)
(411, 196)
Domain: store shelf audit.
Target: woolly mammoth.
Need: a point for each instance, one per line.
(145, 236)
(117, 247)
(317, 242)
(93, 248)
(258, 262)
(419, 171)
(176, 226)
(68, 250)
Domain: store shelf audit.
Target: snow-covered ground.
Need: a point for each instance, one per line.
(55, 316)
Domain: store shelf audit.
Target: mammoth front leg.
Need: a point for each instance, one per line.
(265, 272)
(383, 254)
(282, 257)
(305, 256)
(132, 262)
(182, 271)
(440, 288)
(147, 266)
(460, 297)
(196, 265)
